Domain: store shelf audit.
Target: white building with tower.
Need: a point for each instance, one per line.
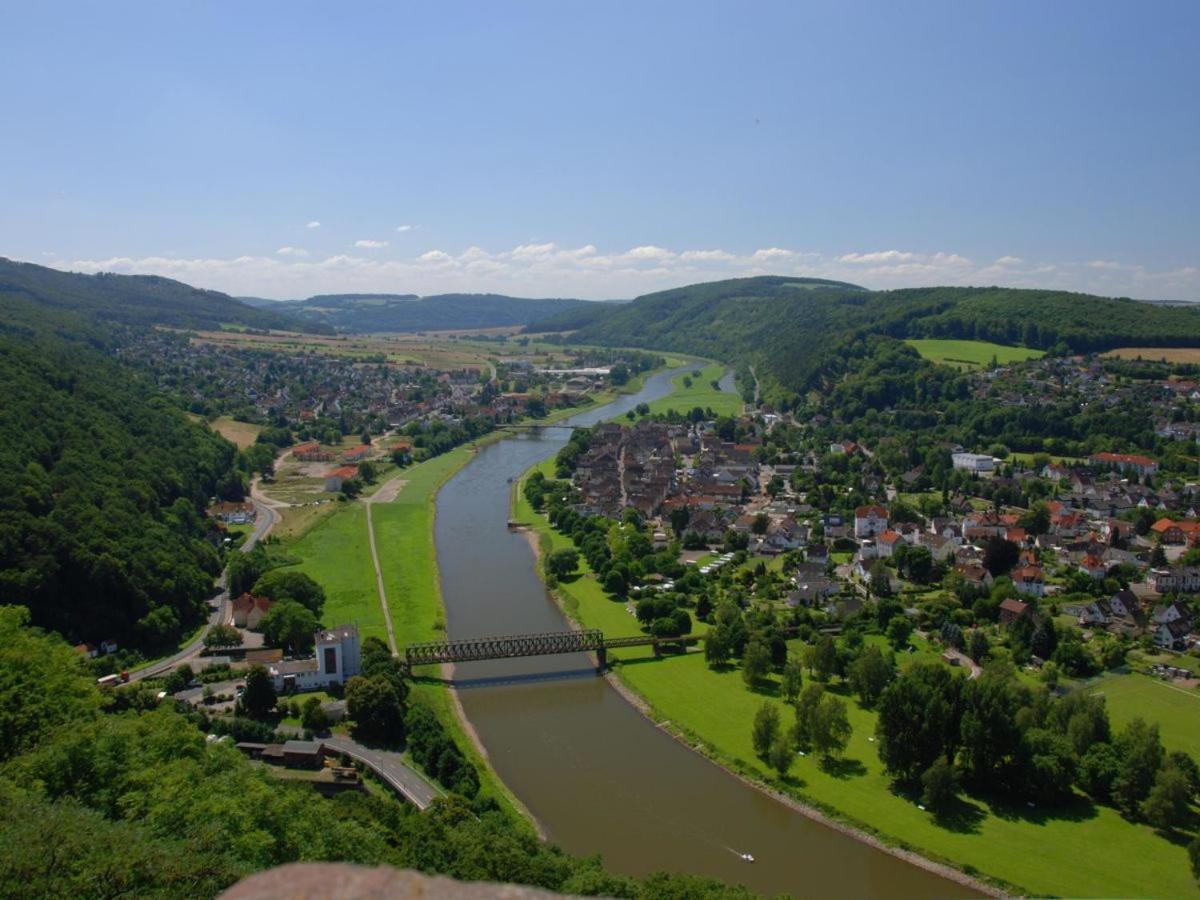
(337, 659)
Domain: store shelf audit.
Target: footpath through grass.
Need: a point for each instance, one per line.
(971, 354)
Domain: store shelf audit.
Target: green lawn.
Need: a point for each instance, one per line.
(1085, 851)
(1175, 709)
(971, 354)
(701, 394)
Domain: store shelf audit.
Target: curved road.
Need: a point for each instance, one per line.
(264, 520)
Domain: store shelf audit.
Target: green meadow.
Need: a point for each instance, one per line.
(970, 354)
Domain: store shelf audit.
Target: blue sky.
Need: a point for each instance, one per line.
(605, 149)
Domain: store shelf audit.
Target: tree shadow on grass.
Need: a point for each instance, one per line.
(962, 815)
(840, 767)
(1075, 808)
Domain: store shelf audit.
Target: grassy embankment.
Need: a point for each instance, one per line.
(1082, 850)
(971, 354)
(701, 393)
(334, 550)
(243, 434)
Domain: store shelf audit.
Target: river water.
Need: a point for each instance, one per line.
(597, 774)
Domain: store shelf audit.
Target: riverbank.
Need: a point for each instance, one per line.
(989, 844)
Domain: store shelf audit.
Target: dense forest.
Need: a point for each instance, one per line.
(138, 300)
(797, 330)
(108, 795)
(103, 486)
(407, 312)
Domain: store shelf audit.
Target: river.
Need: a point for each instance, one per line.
(598, 775)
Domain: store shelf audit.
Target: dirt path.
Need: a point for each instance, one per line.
(387, 616)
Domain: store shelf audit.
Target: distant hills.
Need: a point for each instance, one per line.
(795, 329)
(138, 300)
(408, 312)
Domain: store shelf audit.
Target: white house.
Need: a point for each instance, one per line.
(870, 521)
(972, 462)
(337, 659)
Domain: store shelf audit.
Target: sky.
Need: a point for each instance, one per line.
(603, 150)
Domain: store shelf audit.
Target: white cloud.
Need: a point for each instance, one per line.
(368, 244)
(313, 224)
(405, 227)
(543, 268)
(1104, 264)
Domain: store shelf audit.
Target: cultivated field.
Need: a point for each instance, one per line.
(1167, 354)
(971, 354)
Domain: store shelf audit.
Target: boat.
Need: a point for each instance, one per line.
(747, 857)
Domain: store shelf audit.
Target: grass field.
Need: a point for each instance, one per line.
(701, 393)
(1175, 709)
(1169, 354)
(971, 354)
(1085, 850)
(241, 433)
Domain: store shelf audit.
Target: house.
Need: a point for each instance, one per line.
(1177, 580)
(886, 543)
(1011, 610)
(1030, 580)
(973, 462)
(1172, 635)
(109, 646)
(88, 651)
(335, 478)
(311, 451)
(337, 659)
(1124, 462)
(1093, 566)
(249, 610)
(870, 521)
(975, 576)
(1176, 532)
(233, 513)
(354, 454)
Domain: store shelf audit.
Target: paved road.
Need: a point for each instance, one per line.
(264, 521)
(389, 766)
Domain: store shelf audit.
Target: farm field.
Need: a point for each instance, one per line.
(970, 354)
(1168, 354)
(243, 434)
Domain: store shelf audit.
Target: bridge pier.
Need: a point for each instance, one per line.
(601, 660)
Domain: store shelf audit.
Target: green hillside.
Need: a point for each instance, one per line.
(137, 299)
(796, 331)
(103, 486)
(441, 312)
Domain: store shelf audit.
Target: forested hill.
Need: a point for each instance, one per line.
(138, 299)
(441, 312)
(794, 330)
(103, 486)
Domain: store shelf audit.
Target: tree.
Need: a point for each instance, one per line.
(1141, 753)
(1166, 806)
(870, 674)
(792, 680)
(830, 727)
(289, 584)
(376, 710)
(766, 728)
(562, 563)
(806, 711)
(222, 636)
(312, 716)
(1194, 856)
(756, 661)
(1045, 639)
(1000, 555)
(1098, 771)
(258, 698)
(919, 718)
(824, 662)
(367, 471)
(780, 755)
(939, 784)
(899, 631)
(978, 646)
(716, 647)
(614, 583)
(760, 523)
(288, 624)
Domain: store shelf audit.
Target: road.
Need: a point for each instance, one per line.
(389, 766)
(265, 519)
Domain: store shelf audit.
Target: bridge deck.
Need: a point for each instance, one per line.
(520, 645)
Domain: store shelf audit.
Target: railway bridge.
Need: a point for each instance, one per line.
(588, 640)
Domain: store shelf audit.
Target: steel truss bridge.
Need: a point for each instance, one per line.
(589, 640)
